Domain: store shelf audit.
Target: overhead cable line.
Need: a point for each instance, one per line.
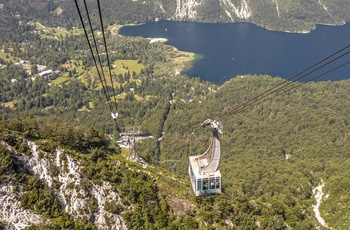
(294, 87)
(108, 62)
(290, 82)
(96, 47)
(287, 82)
(102, 78)
(314, 78)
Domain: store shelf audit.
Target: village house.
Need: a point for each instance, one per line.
(46, 73)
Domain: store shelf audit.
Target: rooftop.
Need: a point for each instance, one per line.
(197, 170)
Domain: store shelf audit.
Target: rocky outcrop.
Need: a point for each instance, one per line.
(323, 5)
(241, 11)
(74, 192)
(186, 9)
(295, 16)
(317, 191)
(276, 5)
(11, 212)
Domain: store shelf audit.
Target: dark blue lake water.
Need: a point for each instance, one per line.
(232, 49)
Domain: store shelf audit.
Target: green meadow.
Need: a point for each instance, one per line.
(56, 33)
(123, 66)
(8, 58)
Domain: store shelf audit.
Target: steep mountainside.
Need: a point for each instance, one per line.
(45, 185)
(273, 14)
(274, 154)
(80, 198)
(284, 165)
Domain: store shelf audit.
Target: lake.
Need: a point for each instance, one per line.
(230, 49)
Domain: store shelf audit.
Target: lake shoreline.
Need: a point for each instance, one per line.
(184, 61)
(234, 49)
(306, 31)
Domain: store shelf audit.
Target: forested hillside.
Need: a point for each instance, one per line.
(273, 156)
(272, 14)
(56, 176)
(274, 153)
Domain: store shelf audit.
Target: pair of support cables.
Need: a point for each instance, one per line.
(287, 85)
(95, 53)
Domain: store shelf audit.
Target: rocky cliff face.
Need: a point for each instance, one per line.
(11, 212)
(188, 9)
(272, 14)
(66, 183)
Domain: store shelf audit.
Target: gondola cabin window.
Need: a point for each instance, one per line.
(205, 183)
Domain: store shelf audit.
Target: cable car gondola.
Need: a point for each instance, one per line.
(203, 169)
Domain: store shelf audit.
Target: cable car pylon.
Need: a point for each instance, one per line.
(203, 169)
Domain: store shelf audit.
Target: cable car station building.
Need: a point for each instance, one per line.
(203, 169)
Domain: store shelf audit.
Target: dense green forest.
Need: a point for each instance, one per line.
(273, 154)
(276, 152)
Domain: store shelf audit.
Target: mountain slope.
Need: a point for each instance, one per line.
(44, 184)
(276, 153)
(274, 156)
(272, 14)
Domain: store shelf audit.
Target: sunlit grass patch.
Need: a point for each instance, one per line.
(147, 97)
(138, 98)
(10, 104)
(6, 56)
(56, 33)
(83, 108)
(129, 65)
(125, 152)
(60, 80)
(118, 71)
(119, 97)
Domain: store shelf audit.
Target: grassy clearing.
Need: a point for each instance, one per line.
(78, 66)
(70, 65)
(60, 80)
(91, 106)
(74, 64)
(119, 97)
(138, 98)
(9, 104)
(56, 33)
(10, 57)
(118, 71)
(119, 67)
(90, 78)
(129, 65)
